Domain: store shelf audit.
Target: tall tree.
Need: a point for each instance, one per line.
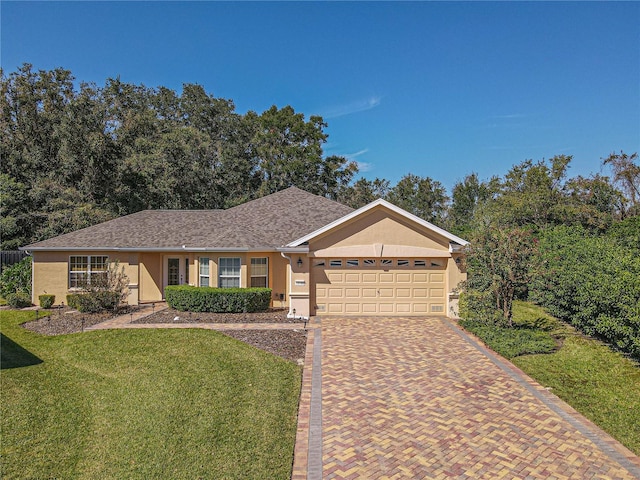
(363, 191)
(422, 196)
(626, 173)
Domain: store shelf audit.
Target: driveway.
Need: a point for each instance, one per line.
(418, 398)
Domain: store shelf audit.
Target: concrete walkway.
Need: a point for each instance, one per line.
(391, 398)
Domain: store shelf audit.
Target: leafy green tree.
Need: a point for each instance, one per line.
(466, 197)
(498, 264)
(16, 278)
(421, 196)
(363, 192)
(626, 173)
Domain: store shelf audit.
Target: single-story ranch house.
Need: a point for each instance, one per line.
(318, 256)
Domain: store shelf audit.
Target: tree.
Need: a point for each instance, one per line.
(498, 263)
(423, 197)
(363, 192)
(626, 173)
(466, 197)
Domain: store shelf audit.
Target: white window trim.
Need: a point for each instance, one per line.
(220, 276)
(202, 275)
(88, 272)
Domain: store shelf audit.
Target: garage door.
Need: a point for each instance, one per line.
(399, 287)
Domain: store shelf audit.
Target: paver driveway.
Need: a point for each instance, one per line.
(418, 398)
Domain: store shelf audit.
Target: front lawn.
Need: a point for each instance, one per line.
(601, 384)
(143, 404)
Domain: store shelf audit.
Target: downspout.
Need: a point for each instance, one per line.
(290, 314)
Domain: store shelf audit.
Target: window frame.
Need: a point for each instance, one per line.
(226, 277)
(207, 275)
(265, 275)
(92, 268)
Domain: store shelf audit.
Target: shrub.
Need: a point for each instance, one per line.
(18, 300)
(94, 302)
(46, 301)
(220, 300)
(16, 278)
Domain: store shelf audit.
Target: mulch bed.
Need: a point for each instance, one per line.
(288, 344)
(67, 320)
(273, 315)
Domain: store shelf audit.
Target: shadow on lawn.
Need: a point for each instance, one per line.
(13, 355)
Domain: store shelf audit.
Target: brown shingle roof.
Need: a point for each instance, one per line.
(267, 222)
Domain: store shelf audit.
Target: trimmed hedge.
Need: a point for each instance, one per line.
(46, 301)
(218, 300)
(93, 302)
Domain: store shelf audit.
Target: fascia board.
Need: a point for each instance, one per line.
(183, 248)
(370, 206)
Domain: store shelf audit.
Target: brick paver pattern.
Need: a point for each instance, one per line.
(424, 403)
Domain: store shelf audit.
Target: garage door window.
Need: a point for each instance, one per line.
(403, 263)
(335, 263)
(369, 262)
(420, 263)
(353, 263)
(386, 262)
(318, 263)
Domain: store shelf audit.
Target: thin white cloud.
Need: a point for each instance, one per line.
(362, 166)
(353, 107)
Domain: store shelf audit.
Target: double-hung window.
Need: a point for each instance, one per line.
(228, 272)
(87, 269)
(204, 272)
(259, 272)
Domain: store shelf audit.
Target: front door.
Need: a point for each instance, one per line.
(176, 270)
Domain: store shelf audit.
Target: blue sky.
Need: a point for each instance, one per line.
(438, 89)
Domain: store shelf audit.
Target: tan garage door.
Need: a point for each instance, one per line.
(378, 291)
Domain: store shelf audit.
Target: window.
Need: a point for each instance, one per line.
(385, 262)
(85, 269)
(403, 263)
(419, 263)
(204, 272)
(318, 263)
(353, 263)
(369, 262)
(437, 263)
(259, 272)
(229, 272)
(335, 263)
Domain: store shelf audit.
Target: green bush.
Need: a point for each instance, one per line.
(593, 282)
(220, 300)
(16, 278)
(18, 300)
(46, 301)
(94, 302)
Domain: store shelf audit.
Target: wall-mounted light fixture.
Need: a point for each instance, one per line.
(299, 262)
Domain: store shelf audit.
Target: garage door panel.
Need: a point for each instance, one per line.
(370, 308)
(421, 308)
(386, 308)
(436, 278)
(336, 293)
(403, 308)
(436, 292)
(352, 278)
(403, 292)
(335, 277)
(386, 277)
(335, 308)
(403, 277)
(420, 293)
(351, 292)
(369, 293)
(385, 292)
(369, 278)
(420, 278)
(352, 308)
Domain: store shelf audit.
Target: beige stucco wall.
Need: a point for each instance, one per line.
(51, 273)
(380, 226)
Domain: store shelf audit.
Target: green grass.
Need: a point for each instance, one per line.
(143, 404)
(600, 383)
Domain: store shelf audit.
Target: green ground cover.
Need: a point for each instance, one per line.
(598, 382)
(143, 404)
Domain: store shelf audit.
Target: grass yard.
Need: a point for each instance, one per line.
(601, 384)
(143, 404)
